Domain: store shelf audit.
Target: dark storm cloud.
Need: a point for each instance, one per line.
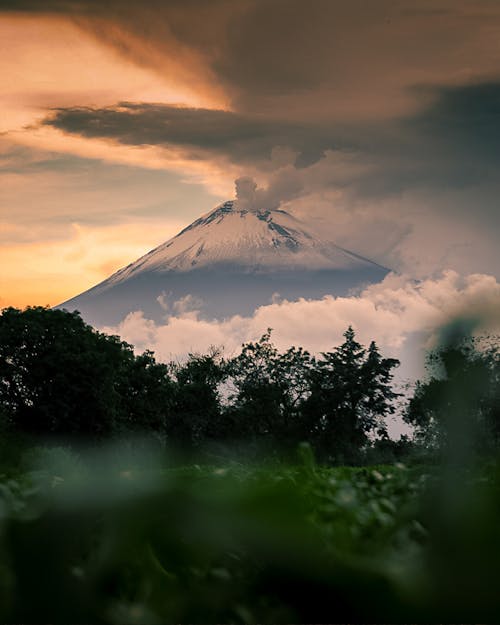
(466, 120)
(240, 137)
(294, 59)
(407, 91)
(454, 143)
(97, 7)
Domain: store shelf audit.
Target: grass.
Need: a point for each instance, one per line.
(115, 538)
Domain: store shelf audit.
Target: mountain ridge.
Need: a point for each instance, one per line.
(242, 255)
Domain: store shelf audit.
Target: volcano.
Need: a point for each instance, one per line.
(229, 261)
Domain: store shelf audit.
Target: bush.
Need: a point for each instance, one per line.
(459, 403)
(59, 377)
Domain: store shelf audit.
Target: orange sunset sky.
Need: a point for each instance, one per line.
(121, 122)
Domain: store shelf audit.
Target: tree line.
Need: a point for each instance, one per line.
(60, 378)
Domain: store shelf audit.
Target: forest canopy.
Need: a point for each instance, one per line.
(60, 378)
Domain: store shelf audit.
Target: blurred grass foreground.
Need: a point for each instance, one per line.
(113, 539)
(346, 526)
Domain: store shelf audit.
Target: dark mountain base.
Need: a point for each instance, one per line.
(224, 291)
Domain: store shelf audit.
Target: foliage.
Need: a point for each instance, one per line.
(146, 395)
(461, 397)
(270, 390)
(61, 378)
(335, 402)
(196, 413)
(350, 396)
(104, 539)
(118, 537)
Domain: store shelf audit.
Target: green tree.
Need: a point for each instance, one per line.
(460, 400)
(351, 394)
(270, 388)
(61, 377)
(196, 413)
(147, 395)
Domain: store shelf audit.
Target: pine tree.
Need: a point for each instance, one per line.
(351, 394)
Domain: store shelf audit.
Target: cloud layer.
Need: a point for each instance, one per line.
(451, 142)
(326, 58)
(378, 121)
(435, 171)
(400, 314)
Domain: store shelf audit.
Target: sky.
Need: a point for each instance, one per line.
(123, 121)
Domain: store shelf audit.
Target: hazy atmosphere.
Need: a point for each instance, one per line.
(374, 122)
(249, 311)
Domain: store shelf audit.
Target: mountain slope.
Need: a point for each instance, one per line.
(230, 261)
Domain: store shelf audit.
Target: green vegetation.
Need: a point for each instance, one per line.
(114, 538)
(62, 380)
(227, 490)
(460, 400)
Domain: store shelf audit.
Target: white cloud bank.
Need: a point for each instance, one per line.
(400, 314)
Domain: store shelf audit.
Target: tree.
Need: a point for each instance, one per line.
(270, 388)
(350, 397)
(147, 395)
(61, 377)
(460, 401)
(196, 413)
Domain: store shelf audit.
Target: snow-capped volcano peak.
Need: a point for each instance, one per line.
(256, 240)
(233, 259)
